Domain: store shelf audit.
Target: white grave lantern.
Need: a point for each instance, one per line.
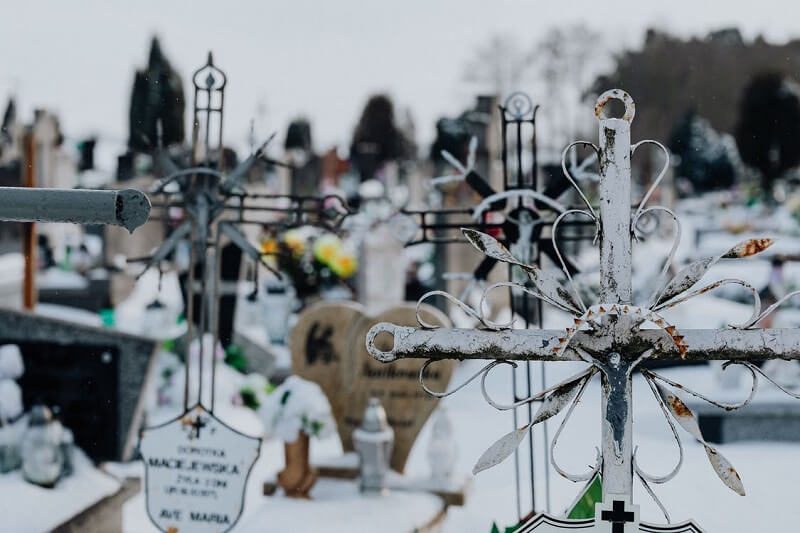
(374, 441)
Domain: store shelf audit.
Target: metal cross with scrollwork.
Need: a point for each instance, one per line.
(520, 215)
(613, 336)
(214, 204)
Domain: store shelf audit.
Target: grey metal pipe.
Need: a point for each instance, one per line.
(128, 208)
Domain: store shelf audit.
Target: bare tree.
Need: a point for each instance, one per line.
(499, 66)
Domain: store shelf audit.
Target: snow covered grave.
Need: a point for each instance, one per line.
(349, 377)
(87, 494)
(613, 336)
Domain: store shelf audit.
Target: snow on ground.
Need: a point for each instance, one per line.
(767, 469)
(25, 507)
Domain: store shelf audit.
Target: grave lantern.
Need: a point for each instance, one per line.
(373, 442)
(277, 301)
(42, 454)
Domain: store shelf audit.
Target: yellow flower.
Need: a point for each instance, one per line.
(269, 246)
(326, 248)
(344, 263)
(294, 240)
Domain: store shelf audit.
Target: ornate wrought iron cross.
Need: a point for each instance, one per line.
(613, 336)
(217, 204)
(520, 214)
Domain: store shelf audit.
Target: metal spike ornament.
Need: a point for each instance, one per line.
(608, 336)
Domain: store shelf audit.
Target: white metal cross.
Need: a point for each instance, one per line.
(607, 335)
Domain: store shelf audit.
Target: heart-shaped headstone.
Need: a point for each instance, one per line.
(396, 385)
(328, 346)
(320, 349)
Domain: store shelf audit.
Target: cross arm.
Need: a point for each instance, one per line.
(447, 343)
(538, 345)
(128, 208)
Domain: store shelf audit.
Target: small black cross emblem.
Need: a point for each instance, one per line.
(618, 517)
(198, 423)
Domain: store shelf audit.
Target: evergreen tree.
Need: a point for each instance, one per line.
(704, 156)
(157, 97)
(768, 131)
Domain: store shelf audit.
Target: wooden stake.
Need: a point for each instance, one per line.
(29, 239)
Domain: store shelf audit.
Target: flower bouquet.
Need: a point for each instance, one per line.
(315, 261)
(295, 411)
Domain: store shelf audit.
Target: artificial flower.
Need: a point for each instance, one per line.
(344, 263)
(296, 242)
(326, 248)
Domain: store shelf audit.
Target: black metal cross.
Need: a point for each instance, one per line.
(199, 423)
(618, 517)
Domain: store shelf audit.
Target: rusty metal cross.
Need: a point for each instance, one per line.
(615, 335)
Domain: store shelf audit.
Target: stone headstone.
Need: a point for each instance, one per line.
(94, 376)
(383, 283)
(320, 349)
(407, 405)
(196, 472)
(328, 346)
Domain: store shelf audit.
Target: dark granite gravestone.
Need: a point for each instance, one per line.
(94, 376)
(766, 421)
(230, 265)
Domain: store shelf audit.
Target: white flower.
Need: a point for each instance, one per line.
(297, 405)
(10, 399)
(11, 365)
(255, 382)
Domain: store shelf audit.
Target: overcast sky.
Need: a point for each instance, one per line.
(320, 58)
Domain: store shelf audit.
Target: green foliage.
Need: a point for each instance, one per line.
(509, 529)
(285, 397)
(584, 506)
(768, 132)
(703, 156)
(236, 359)
(250, 398)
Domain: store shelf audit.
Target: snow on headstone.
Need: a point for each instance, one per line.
(320, 349)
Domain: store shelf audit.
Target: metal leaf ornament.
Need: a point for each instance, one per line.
(553, 404)
(547, 283)
(691, 273)
(686, 418)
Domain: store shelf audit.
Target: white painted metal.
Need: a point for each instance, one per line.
(607, 335)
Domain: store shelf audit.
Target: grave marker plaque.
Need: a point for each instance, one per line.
(196, 471)
(617, 517)
(327, 345)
